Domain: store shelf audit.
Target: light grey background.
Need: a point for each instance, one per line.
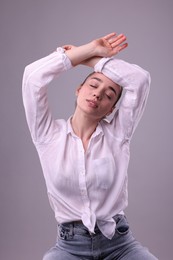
(32, 29)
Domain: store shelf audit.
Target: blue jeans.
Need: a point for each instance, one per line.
(75, 242)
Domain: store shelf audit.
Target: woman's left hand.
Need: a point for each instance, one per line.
(68, 47)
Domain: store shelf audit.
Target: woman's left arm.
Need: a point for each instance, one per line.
(136, 84)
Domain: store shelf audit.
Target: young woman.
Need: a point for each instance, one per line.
(85, 159)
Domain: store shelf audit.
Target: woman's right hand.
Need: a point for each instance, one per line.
(106, 46)
(109, 45)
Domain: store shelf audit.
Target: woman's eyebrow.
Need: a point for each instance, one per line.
(97, 79)
(110, 87)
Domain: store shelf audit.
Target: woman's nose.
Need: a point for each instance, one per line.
(97, 94)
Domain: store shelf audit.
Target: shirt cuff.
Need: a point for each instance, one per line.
(100, 64)
(65, 58)
(107, 66)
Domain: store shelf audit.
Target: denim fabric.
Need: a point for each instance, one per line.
(74, 241)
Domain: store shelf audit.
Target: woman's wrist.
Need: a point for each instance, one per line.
(79, 54)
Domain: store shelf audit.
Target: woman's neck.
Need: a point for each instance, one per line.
(83, 126)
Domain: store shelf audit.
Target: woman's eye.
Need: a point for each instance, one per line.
(109, 97)
(93, 86)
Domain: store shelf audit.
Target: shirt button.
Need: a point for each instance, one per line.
(83, 192)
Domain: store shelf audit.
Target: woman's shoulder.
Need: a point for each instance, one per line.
(61, 124)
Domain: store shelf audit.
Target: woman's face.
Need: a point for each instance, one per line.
(97, 96)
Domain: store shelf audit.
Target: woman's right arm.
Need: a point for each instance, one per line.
(36, 78)
(89, 54)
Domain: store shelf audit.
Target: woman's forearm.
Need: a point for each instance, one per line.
(90, 53)
(79, 54)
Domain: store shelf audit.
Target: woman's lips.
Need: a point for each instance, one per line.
(92, 103)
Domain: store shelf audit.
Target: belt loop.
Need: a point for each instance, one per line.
(71, 232)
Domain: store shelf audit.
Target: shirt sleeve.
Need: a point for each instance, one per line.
(136, 85)
(36, 78)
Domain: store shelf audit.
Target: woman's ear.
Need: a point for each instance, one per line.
(110, 112)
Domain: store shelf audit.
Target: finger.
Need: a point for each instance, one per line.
(110, 35)
(119, 40)
(122, 47)
(66, 47)
(118, 37)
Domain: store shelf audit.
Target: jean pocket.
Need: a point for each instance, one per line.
(122, 227)
(65, 233)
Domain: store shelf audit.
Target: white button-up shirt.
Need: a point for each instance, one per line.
(90, 186)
